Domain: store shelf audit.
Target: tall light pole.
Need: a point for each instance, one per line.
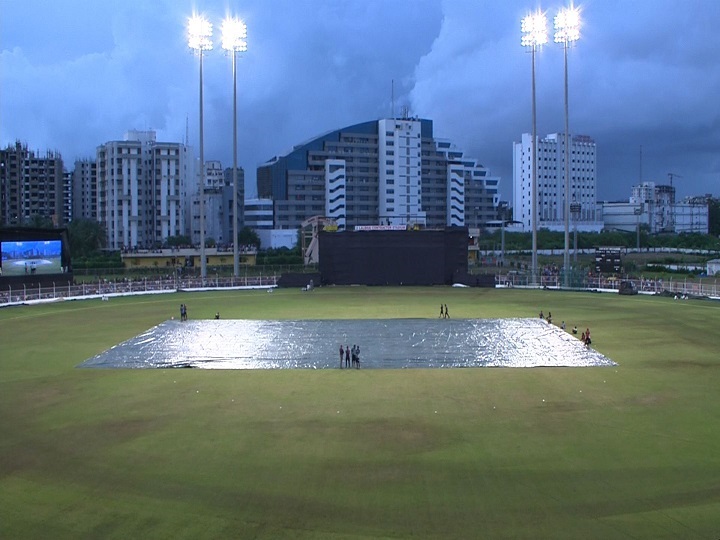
(534, 30)
(575, 209)
(234, 35)
(200, 39)
(567, 30)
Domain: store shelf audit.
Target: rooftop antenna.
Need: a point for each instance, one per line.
(671, 176)
(641, 163)
(187, 130)
(392, 99)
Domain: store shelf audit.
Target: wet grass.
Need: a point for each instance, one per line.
(629, 451)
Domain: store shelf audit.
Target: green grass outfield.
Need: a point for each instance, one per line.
(631, 451)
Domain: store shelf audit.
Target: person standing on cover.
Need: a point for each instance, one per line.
(447, 315)
(342, 355)
(347, 356)
(442, 313)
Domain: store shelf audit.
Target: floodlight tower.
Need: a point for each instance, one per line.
(567, 31)
(534, 30)
(200, 40)
(234, 35)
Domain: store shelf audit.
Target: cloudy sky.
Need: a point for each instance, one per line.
(644, 79)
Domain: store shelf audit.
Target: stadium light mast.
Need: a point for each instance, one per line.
(534, 34)
(567, 31)
(200, 40)
(234, 40)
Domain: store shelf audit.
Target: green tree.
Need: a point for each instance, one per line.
(177, 241)
(86, 237)
(37, 221)
(248, 237)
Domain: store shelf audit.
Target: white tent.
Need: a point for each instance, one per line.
(713, 267)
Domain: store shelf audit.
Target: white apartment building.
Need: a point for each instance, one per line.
(551, 183)
(142, 188)
(335, 191)
(399, 172)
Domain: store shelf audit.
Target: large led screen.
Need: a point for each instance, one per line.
(31, 257)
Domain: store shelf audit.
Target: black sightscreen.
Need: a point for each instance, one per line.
(425, 257)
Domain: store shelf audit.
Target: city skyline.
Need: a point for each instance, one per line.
(76, 74)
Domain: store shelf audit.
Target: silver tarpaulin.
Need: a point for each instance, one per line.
(384, 343)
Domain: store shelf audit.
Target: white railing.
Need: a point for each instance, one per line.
(105, 288)
(682, 286)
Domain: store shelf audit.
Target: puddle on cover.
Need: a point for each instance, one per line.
(385, 343)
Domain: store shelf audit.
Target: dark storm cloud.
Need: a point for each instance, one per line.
(77, 73)
(642, 75)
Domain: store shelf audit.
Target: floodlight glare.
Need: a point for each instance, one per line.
(567, 25)
(199, 33)
(534, 29)
(234, 35)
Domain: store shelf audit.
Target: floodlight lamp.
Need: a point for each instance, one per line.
(534, 29)
(567, 25)
(199, 33)
(234, 35)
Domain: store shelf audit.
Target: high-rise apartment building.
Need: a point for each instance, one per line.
(31, 185)
(381, 172)
(219, 205)
(142, 190)
(551, 182)
(67, 198)
(84, 190)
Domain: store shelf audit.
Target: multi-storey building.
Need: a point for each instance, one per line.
(259, 214)
(471, 194)
(219, 203)
(233, 213)
(654, 206)
(381, 172)
(31, 185)
(550, 199)
(84, 189)
(214, 208)
(67, 212)
(142, 188)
